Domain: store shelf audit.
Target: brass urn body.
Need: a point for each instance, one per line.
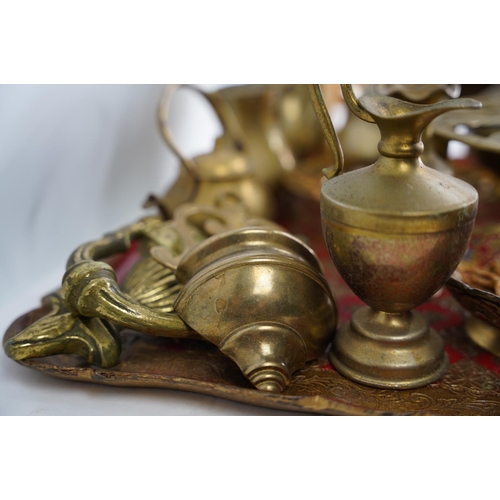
(395, 230)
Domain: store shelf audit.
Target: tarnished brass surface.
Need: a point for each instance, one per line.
(471, 385)
(468, 388)
(257, 292)
(395, 230)
(259, 295)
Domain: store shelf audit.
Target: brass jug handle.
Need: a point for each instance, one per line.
(222, 109)
(353, 103)
(332, 139)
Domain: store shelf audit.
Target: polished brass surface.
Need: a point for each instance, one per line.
(240, 282)
(255, 108)
(260, 296)
(86, 313)
(322, 112)
(91, 303)
(395, 230)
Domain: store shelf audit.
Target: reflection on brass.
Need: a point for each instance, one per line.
(395, 230)
(260, 296)
(256, 292)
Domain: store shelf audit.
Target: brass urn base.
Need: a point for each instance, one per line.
(396, 351)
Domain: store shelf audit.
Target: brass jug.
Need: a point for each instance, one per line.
(280, 132)
(225, 175)
(395, 230)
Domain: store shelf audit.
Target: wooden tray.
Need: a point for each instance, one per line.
(471, 386)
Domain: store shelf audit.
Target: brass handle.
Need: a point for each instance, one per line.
(222, 109)
(90, 289)
(61, 332)
(325, 120)
(353, 103)
(113, 243)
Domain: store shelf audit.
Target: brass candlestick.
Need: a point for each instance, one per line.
(395, 230)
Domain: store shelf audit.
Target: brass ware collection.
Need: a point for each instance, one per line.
(215, 267)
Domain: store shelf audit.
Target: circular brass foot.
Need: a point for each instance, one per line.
(267, 354)
(483, 334)
(390, 351)
(269, 379)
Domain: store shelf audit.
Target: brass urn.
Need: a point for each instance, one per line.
(395, 230)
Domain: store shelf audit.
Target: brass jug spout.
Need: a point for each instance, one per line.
(401, 123)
